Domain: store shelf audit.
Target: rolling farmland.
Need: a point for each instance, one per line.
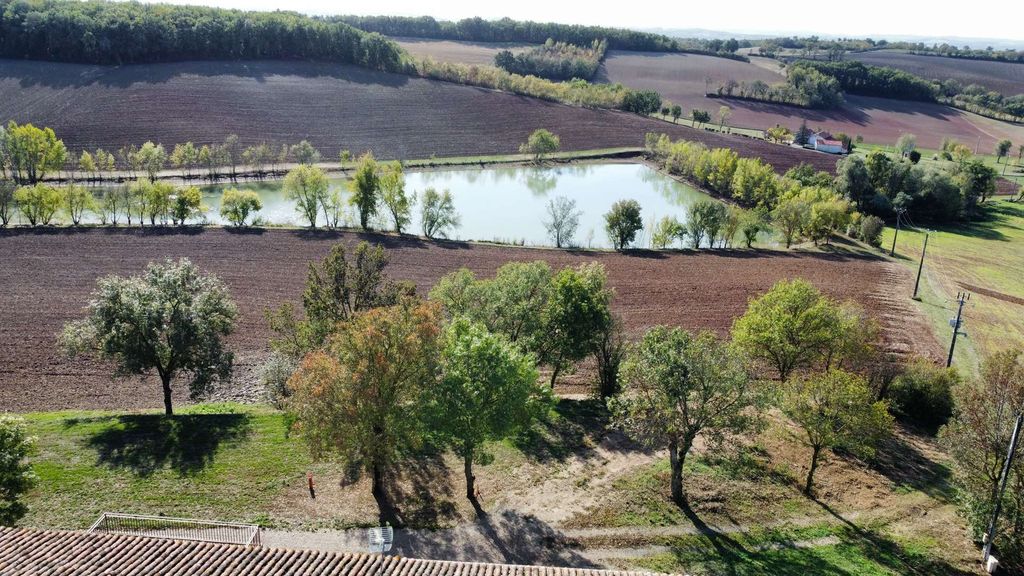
(1007, 78)
(479, 53)
(681, 79)
(333, 106)
(48, 277)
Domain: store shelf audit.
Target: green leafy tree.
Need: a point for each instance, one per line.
(754, 183)
(577, 311)
(906, 144)
(622, 223)
(32, 152)
(437, 213)
(7, 203)
(365, 188)
(666, 231)
(487, 392)
(977, 182)
(361, 398)
(978, 439)
(77, 201)
(835, 409)
(87, 164)
(511, 303)
(159, 198)
(236, 205)
(700, 116)
(186, 203)
(724, 112)
(751, 225)
(1003, 149)
(185, 156)
(678, 387)
(394, 196)
(38, 203)
(16, 475)
(794, 326)
(152, 158)
(336, 290)
(305, 153)
(676, 112)
(791, 217)
(562, 220)
(541, 143)
(705, 220)
(172, 319)
(827, 217)
(307, 186)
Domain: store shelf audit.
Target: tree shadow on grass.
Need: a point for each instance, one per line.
(906, 466)
(573, 428)
(146, 443)
(889, 553)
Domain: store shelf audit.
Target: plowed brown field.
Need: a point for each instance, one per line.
(681, 79)
(1007, 78)
(479, 53)
(334, 106)
(47, 277)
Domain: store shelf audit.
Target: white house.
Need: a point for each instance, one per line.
(823, 142)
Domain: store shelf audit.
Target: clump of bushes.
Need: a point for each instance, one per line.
(923, 395)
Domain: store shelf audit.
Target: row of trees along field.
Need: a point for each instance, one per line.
(885, 82)
(555, 60)
(878, 185)
(508, 30)
(29, 154)
(99, 32)
(371, 374)
(835, 48)
(804, 87)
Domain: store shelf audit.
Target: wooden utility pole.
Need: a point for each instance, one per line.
(991, 533)
(899, 213)
(920, 265)
(962, 298)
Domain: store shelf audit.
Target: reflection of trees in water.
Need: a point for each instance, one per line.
(540, 182)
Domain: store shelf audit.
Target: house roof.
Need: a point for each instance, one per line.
(26, 552)
(824, 142)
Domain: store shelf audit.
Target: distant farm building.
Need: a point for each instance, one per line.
(824, 142)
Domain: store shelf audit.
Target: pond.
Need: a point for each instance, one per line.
(509, 204)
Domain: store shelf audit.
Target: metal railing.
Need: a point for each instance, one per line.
(177, 529)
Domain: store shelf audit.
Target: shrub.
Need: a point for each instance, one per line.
(870, 230)
(236, 205)
(923, 395)
(274, 375)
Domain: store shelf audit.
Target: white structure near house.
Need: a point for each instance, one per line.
(823, 142)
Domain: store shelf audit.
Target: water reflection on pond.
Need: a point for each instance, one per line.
(509, 204)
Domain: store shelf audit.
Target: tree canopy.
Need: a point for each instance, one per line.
(172, 319)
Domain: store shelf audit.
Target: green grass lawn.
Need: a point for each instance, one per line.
(986, 254)
(222, 462)
(828, 550)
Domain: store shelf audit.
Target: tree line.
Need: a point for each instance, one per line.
(555, 60)
(100, 32)
(804, 87)
(812, 45)
(508, 30)
(885, 82)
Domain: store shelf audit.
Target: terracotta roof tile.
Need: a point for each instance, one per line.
(28, 552)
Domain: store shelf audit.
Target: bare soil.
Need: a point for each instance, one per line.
(47, 277)
(681, 79)
(479, 53)
(1007, 78)
(336, 107)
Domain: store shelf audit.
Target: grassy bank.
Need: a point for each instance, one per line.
(983, 257)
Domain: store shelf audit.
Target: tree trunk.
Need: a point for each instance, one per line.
(165, 379)
(467, 465)
(676, 461)
(377, 489)
(554, 374)
(809, 486)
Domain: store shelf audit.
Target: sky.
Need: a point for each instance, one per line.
(998, 19)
